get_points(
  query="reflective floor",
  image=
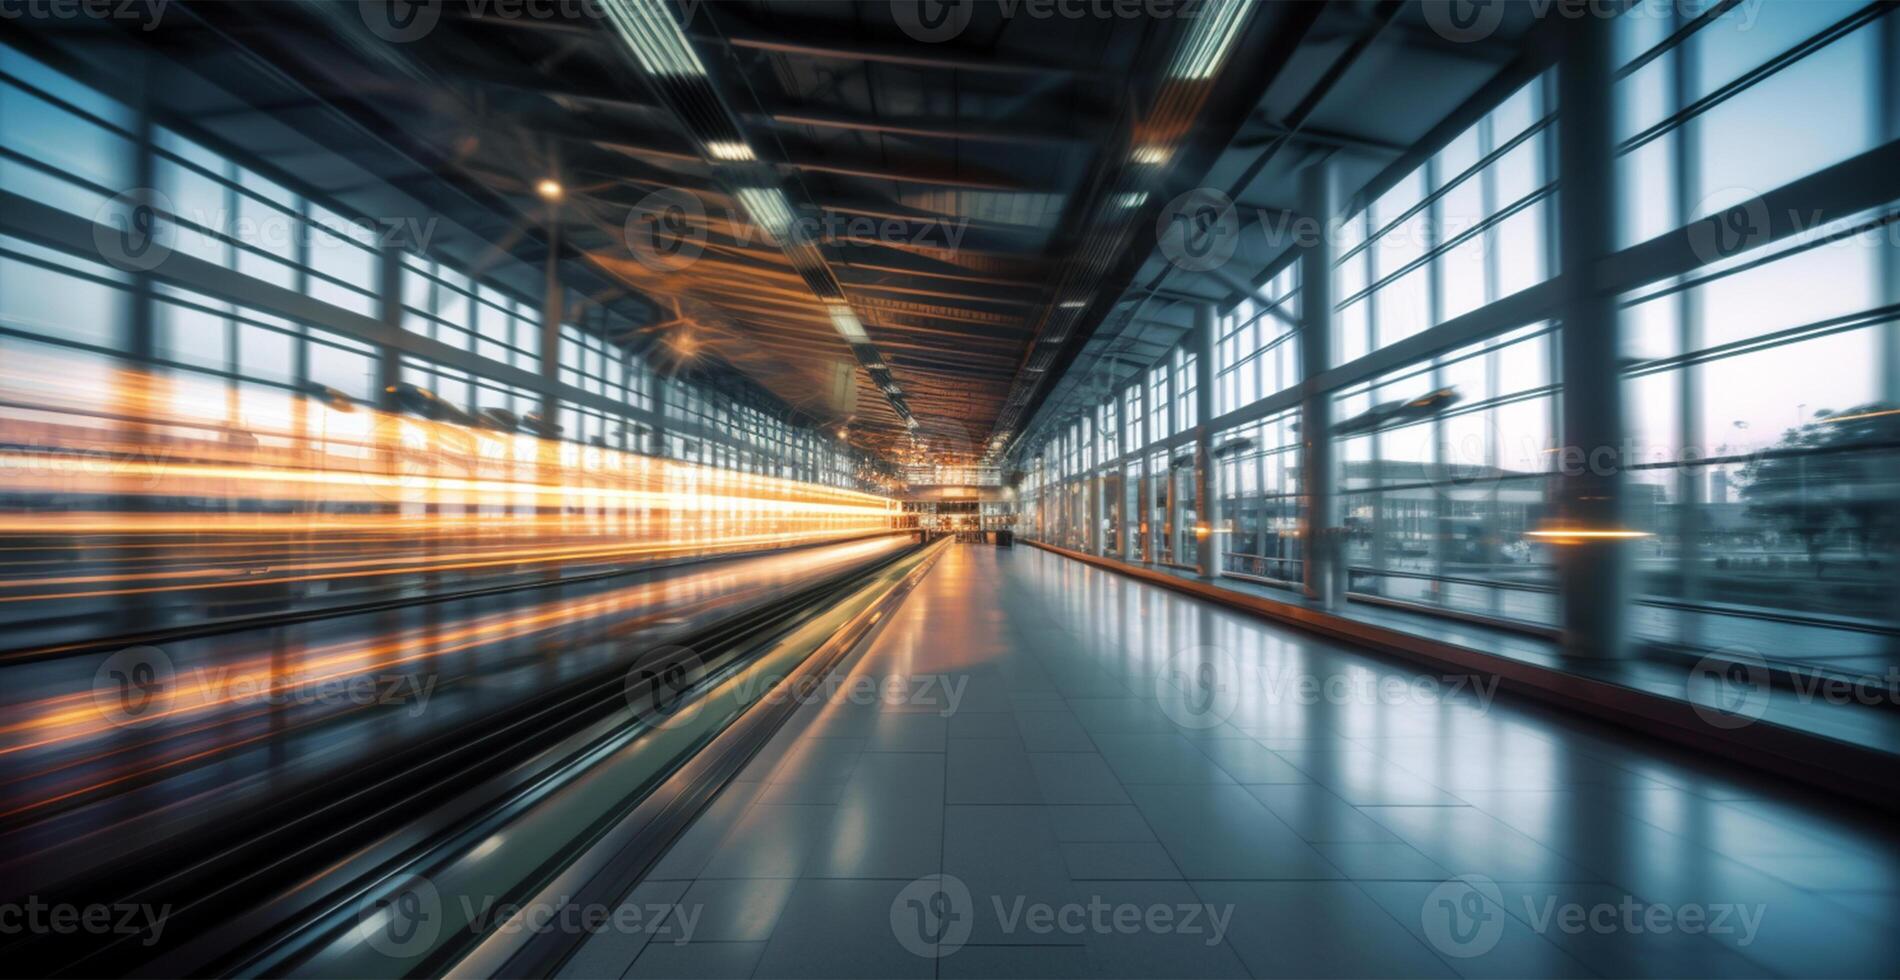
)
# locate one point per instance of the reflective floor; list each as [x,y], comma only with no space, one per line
[1043,769]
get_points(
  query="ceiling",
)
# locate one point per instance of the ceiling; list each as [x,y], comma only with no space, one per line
[968,205]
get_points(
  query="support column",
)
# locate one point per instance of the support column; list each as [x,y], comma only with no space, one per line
[1319,201]
[1889,108]
[552,299]
[389,300]
[1592,572]
[1145,493]
[1206,467]
[1098,508]
[1690,481]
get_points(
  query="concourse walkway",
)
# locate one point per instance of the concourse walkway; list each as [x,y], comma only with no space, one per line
[1042,769]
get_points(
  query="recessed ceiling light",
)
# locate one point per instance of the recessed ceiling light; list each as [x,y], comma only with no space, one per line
[729,150]
[550,190]
[847,323]
[655,37]
[769,208]
[1072,304]
[1132,199]
[1208,39]
[1148,154]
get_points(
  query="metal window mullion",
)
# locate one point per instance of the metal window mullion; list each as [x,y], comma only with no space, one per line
[1689,334]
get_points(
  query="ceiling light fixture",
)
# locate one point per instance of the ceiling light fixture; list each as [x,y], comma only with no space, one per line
[1150,155]
[550,190]
[1132,199]
[656,39]
[1212,33]
[1072,304]
[847,323]
[769,209]
[729,150]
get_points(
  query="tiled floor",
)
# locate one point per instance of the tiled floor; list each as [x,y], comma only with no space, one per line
[1067,773]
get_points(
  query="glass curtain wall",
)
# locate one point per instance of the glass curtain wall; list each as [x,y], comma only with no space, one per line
[72,147]
[1762,389]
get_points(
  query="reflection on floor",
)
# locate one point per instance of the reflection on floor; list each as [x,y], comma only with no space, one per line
[1040,768]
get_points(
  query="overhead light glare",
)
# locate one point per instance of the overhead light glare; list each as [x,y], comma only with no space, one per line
[769,209]
[550,190]
[1212,33]
[847,323]
[1151,155]
[1132,199]
[658,43]
[1566,535]
[1072,304]
[729,150]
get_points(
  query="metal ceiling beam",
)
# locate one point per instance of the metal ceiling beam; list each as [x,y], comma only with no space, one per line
[926,128]
[1321,137]
[910,56]
[951,277]
[871,171]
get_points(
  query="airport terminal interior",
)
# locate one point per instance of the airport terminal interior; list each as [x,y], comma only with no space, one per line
[949,488]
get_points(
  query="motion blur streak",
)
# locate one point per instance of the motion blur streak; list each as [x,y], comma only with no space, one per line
[59,746]
[140,485]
